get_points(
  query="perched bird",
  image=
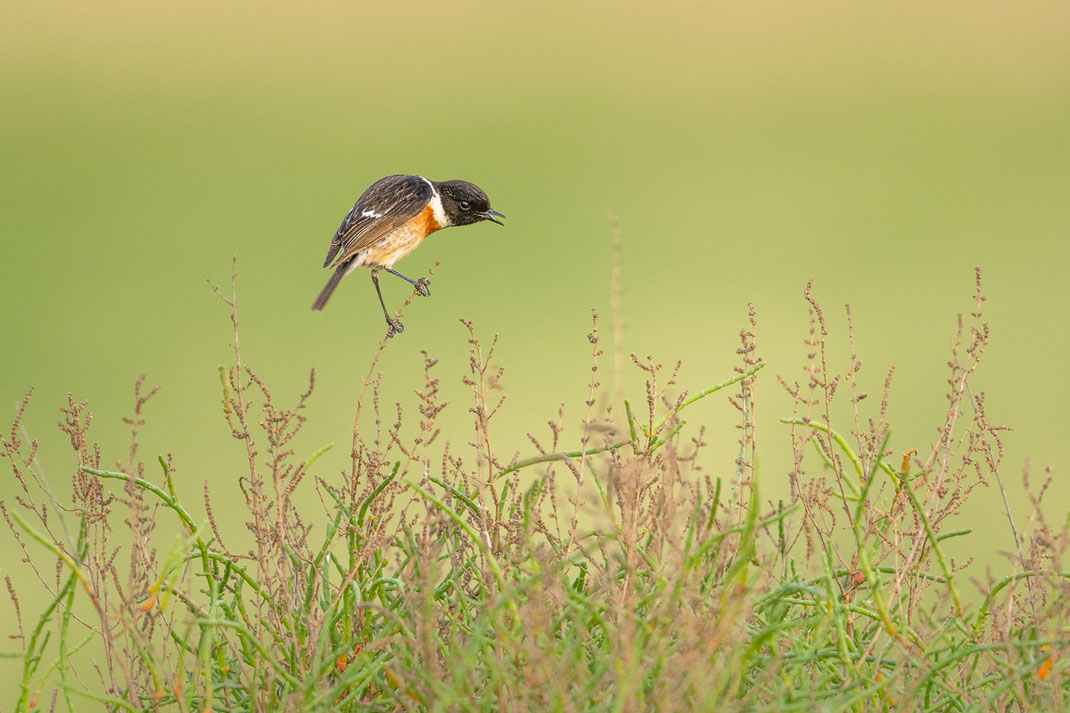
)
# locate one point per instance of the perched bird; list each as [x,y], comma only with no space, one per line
[390,219]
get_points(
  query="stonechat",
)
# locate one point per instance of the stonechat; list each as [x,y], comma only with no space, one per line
[390,220]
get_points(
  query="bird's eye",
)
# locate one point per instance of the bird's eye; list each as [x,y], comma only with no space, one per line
[465,205]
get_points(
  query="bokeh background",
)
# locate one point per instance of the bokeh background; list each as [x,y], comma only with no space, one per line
[883,150]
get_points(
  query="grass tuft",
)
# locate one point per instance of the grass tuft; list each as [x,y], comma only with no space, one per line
[607,574]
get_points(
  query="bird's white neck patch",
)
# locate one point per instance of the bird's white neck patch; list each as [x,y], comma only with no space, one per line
[439,212]
[436,206]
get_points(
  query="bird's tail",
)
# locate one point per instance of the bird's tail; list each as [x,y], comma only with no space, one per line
[328,290]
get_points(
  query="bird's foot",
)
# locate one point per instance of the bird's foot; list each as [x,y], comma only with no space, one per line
[394,326]
[423,287]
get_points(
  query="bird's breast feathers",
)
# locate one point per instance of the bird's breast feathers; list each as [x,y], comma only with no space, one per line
[401,241]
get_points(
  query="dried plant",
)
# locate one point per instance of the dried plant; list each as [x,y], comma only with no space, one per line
[613,570]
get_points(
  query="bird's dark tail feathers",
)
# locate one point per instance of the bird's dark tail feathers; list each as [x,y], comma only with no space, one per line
[328,290]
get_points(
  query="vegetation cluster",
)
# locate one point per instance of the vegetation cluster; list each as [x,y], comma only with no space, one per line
[609,571]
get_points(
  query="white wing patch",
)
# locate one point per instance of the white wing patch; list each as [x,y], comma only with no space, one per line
[371,214]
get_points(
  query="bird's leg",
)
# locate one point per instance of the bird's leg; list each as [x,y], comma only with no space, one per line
[421,285]
[394,326]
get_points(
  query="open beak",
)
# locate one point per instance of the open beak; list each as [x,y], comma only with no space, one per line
[493,215]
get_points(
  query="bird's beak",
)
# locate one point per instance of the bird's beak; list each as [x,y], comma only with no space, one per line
[493,215]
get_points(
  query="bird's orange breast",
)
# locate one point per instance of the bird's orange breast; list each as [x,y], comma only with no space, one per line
[427,221]
[401,241]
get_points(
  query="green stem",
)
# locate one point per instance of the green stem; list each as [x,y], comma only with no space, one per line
[839,441]
[935,544]
[548,457]
[706,392]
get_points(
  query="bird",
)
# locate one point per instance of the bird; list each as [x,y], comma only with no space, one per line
[390,219]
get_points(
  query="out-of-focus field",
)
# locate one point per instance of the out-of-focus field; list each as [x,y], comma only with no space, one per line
[883,151]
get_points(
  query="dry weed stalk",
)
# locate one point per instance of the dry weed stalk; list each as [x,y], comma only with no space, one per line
[623,567]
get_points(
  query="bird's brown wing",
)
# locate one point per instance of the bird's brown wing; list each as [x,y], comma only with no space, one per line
[387,204]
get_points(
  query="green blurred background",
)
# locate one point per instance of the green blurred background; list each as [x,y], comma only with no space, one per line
[743,147]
